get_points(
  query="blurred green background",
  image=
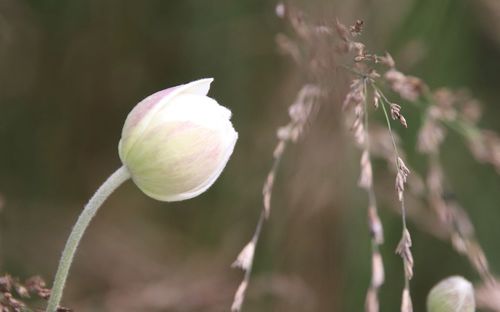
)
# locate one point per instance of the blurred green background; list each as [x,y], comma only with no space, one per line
[70,72]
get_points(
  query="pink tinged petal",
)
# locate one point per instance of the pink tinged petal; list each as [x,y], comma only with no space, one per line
[178,172]
[177,142]
[198,87]
[138,119]
[145,106]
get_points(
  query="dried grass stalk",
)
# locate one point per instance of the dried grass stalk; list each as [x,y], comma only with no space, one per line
[300,113]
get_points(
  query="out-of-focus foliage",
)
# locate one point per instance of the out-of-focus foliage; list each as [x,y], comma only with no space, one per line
[71,71]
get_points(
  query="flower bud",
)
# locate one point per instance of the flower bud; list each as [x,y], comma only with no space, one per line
[176,142]
[453,294]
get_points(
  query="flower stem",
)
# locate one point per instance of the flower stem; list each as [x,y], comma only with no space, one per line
[112,183]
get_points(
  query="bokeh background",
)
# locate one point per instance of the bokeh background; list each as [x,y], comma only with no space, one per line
[70,71]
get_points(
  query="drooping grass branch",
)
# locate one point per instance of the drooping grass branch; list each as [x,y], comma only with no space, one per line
[374,224]
[441,110]
[358,94]
[356,100]
[300,112]
[404,245]
[459,113]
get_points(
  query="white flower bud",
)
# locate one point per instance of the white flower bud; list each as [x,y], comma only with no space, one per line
[453,294]
[176,142]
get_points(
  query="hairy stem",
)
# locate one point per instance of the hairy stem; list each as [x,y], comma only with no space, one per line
[111,184]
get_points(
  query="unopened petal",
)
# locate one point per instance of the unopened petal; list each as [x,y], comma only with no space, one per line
[189,161]
[181,145]
[140,116]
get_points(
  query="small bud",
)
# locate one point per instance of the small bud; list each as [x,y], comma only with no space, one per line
[453,294]
[176,142]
